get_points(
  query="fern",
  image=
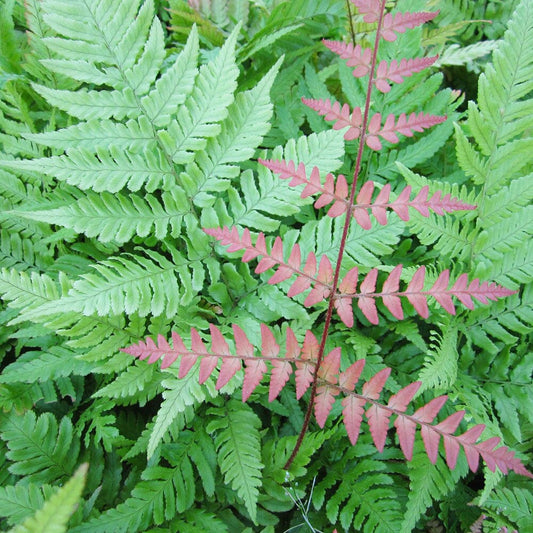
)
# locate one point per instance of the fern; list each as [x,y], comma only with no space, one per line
[40,448]
[237,443]
[56,511]
[128,150]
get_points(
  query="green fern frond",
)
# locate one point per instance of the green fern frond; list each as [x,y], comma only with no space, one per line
[236,434]
[161,493]
[267,199]
[90,34]
[58,508]
[174,85]
[17,502]
[178,394]
[515,504]
[26,290]
[241,132]
[448,236]
[197,119]
[106,170]
[47,364]
[134,135]
[502,237]
[116,217]
[462,55]
[140,284]
[440,365]
[40,449]
[19,397]
[198,521]
[24,249]
[357,490]
[427,483]
[363,247]
[137,384]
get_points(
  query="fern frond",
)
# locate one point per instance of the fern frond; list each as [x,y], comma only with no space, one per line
[241,132]
[106,170]
[197,119]
[515,504]
[236,435]
[57,510]
[440,364]
[399,22]
[343,118]
[90,35]
[178,394]
[85,104]
[137,384]
[364,499]
[140,284]
[427,483]
[26,290]
[118,217]
[336,191]
[40,449]
[320,274]
[161,493]
[265,200]
[17,502]
[40,366]
[134,135]
[330,384]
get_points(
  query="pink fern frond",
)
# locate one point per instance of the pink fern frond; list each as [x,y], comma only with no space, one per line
[306,366]
[356,56]
[306,272]
[396,72]
[379,415]
[400,22]
[391,295]
[333,190]
[325,396]
[331,382]
[336,191]
[369,8]
[341,116]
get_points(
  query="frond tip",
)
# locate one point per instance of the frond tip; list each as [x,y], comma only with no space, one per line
[331,382]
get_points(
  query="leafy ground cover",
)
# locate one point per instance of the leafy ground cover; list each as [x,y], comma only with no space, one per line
[265,202]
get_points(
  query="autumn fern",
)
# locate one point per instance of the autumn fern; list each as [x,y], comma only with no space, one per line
[374,292]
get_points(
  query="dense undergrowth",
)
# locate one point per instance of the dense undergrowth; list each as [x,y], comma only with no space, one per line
[125,131]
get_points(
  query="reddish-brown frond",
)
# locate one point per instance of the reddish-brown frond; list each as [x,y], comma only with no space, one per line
[336,190]
[306,366]
[325,394]
[330,383]
[369,8]
[379,414]
[400,22]
[396,72]
[356,56]
[415,293]
[306,272]
[341,116]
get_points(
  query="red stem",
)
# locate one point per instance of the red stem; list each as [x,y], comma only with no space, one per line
[342,246]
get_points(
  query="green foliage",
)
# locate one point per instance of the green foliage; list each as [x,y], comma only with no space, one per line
[57,510]
[127,127]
